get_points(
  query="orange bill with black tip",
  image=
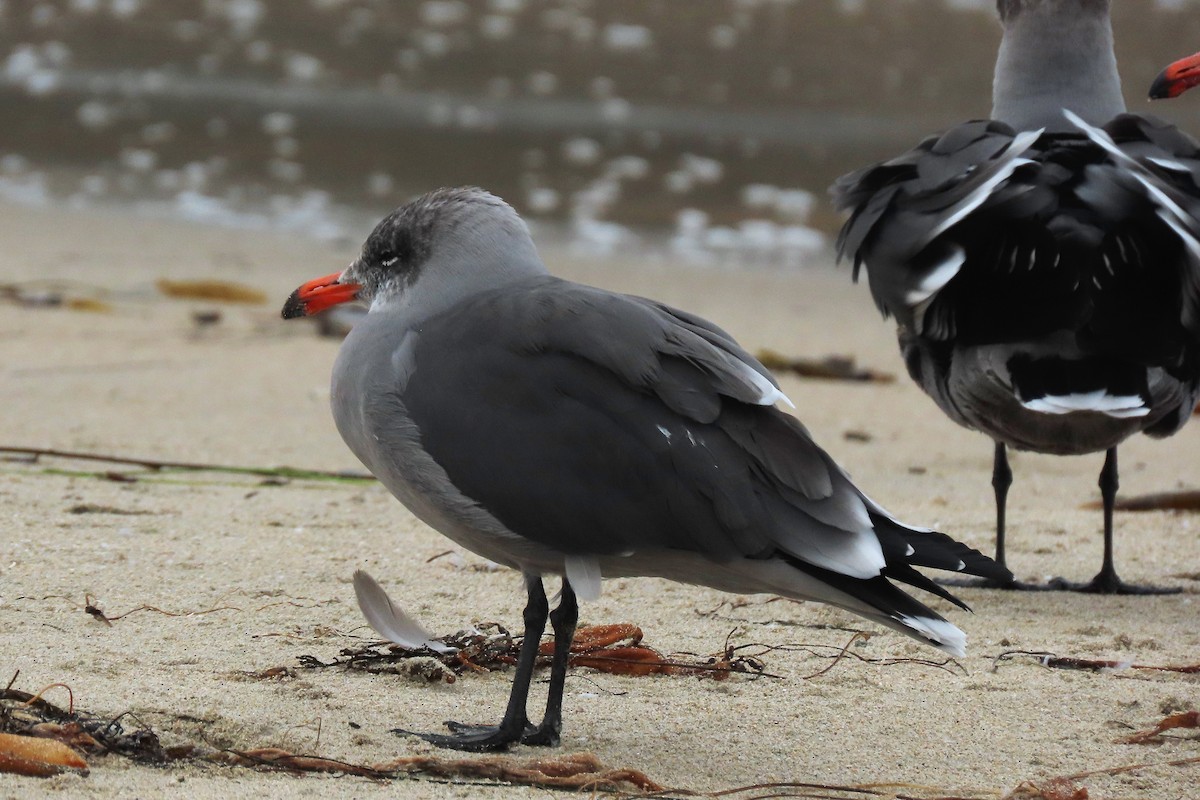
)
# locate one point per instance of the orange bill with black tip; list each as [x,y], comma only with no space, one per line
[1177,78]
[318,295]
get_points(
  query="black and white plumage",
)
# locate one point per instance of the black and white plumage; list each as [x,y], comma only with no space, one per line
[1043,266]
[558,428]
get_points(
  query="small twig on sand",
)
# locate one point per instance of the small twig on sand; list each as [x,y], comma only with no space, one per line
[837,654]
[92,609]
[35,453]
[1090,664]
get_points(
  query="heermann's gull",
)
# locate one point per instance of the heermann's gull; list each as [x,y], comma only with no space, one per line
[563,429]
[1043,266]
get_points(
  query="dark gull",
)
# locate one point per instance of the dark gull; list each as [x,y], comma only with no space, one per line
[1043,266]
[561,429]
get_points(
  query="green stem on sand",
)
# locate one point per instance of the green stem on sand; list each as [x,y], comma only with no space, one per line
[33,454]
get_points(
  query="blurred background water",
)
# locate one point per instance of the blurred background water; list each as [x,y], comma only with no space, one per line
[701,130]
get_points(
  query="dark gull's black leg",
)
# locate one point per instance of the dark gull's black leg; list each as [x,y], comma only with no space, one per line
[1107,581]
[484,738]
[562,620]
[1001,480]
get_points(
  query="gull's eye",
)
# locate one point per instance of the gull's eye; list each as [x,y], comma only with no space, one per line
[388,259]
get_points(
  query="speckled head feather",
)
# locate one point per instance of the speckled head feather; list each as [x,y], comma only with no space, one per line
[459,233]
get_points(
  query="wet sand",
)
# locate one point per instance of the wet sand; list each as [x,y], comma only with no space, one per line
[275,561]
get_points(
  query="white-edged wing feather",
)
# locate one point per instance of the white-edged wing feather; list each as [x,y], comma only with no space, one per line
[1008,162]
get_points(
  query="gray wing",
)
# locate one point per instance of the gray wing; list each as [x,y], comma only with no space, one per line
[597,423]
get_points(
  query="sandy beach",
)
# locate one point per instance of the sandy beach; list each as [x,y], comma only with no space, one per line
[271,564]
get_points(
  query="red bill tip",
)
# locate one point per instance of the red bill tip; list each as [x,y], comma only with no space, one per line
[318,295]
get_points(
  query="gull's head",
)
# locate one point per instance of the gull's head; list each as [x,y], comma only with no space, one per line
[451,239]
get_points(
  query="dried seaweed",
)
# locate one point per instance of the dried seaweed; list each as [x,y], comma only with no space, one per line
[827,791]
[93,508]
[1177,762]
[1185,500]
[574,771]
[1053,661]
[1184,719]
[1051,789]
[38,757]
[616,649]
[835,367]
[27,714]
[88,304]
[214,290]
[1065,787]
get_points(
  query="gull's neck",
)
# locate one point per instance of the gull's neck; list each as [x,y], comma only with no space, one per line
[1056,55]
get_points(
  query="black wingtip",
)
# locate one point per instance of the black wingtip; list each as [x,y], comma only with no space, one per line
[294,307]
[918,547]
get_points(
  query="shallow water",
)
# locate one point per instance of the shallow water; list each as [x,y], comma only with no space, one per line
[706,129]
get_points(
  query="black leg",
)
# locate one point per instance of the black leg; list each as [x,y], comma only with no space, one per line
[481,738]
[1109,483]
[1001,480]
[562,620]
[1107,581]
